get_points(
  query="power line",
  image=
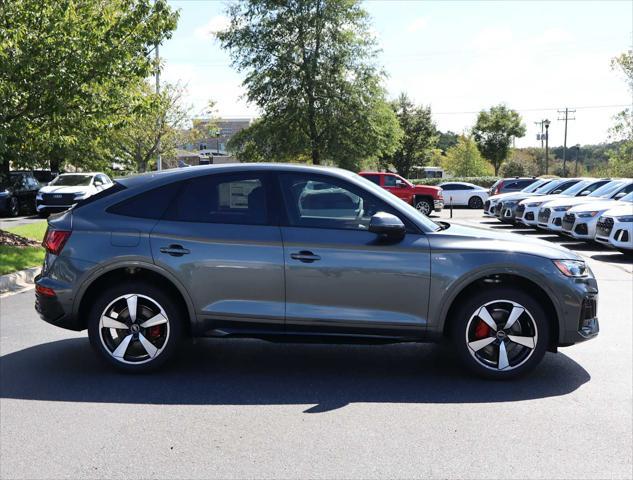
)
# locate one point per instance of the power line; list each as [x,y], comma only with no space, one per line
[544,109]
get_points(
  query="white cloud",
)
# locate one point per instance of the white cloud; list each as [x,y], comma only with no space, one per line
[493,37]
[216,24]
[417,24]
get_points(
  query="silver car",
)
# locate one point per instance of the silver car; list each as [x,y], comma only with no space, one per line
[298,253]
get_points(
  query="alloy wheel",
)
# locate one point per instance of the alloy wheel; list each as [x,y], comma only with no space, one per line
[475,202]
[134,329]
[423,207]
[501,335]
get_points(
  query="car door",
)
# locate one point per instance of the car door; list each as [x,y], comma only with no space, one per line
[341,278]
[451,194]
[396,185]
[217,237]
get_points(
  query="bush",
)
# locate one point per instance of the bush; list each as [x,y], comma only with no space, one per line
[485,182]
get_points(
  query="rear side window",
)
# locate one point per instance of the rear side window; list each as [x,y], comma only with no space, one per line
[149,204]
[232,198]
[373,178]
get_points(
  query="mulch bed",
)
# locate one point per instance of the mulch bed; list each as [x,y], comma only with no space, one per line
[13,240]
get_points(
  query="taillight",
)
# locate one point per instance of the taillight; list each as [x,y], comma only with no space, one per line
[45,291]
[54,240]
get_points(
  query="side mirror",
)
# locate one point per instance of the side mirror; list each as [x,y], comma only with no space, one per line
[584,193]
[387,225]
[400,184]
[620,195]
[98,183]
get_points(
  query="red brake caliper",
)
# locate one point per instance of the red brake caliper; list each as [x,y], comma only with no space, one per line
[482,330]
[154,331]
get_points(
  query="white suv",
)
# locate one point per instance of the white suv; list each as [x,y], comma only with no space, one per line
[69,188]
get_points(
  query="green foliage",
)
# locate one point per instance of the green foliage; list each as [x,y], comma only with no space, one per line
[447,140]
[486,181]
[522,163]
[419,139]
[19,258]
[310,68]
[464,160]
[34,231]
[65,71]
[493,133]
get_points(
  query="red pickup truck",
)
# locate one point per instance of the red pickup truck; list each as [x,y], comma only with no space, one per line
[423,197]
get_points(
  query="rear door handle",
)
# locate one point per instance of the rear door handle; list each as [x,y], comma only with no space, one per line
[305,256]
[175,250]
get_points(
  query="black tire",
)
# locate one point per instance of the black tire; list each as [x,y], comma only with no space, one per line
[532,323]
[100,336]
[475,203]
[13,207]
[424,206]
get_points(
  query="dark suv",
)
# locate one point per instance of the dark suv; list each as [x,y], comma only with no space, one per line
[17,193]
[296,253]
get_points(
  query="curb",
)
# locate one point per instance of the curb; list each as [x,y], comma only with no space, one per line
[18,280]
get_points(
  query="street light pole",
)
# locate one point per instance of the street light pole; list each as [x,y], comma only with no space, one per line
[546,123]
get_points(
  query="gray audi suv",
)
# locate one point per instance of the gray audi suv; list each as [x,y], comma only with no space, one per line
[298,253]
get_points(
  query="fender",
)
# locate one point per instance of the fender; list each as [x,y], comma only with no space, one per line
[456,287]
[134,262]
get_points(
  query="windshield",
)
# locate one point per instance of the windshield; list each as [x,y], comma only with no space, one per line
[579,187]
[627,198]
[380,193]
[607,189]
[72,181]
[549,186]
[532,187]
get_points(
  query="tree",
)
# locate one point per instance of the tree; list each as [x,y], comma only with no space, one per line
[520,164]
[65,70]
[310,68]
[493,133]
[464,159]
[419,136]
[447,140]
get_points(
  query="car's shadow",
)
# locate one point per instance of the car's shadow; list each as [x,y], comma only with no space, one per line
[253,372]
[614,257]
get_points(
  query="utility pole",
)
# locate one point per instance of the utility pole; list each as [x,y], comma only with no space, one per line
[577,155]
[566,112]
[540,137]
[159,160]
[546,122]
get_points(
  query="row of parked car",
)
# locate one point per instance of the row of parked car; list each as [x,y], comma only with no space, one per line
[22,193]
[588,209]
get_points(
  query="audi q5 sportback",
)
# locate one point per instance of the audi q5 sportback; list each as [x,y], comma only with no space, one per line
[302,254]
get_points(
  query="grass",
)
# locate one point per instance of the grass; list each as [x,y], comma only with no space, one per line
[19,258]
[13,258]
[34,230]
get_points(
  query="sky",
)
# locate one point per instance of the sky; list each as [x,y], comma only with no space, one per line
[459,57]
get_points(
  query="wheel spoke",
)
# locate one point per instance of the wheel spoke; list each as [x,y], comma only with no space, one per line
[514,315]
[132,302]
[148,346]
[122,348]
[479,344]
[485,316]
[109,322]
[158,319]
[525,341]
[503,357]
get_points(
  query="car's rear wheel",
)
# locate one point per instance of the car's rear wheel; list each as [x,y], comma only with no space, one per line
[424,206]
[501,333]
[475,203]
[135,326]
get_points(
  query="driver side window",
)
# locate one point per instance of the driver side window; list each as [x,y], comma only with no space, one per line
[324,202]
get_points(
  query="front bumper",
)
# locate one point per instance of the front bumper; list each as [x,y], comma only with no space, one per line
[43,208]
[614,233]
[530,216]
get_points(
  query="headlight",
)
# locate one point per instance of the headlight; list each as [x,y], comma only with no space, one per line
[534,204]
[587,214]
[572,268]
[625,219]
[562,209]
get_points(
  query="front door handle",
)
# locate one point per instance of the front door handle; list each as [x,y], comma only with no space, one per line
[175,250]
[305,256]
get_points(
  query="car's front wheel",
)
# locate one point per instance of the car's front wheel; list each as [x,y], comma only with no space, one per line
[135,326]
[501,333]
[424,206]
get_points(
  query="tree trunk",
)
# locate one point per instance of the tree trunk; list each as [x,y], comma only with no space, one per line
[55,164]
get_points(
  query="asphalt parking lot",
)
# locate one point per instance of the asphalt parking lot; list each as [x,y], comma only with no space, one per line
[236,409]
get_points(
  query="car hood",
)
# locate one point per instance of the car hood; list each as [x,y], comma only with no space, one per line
[504,196]
[572,201]
[599,206]
[620,211]
[518,196]
[426,187]
[458,237]
[543,198]
[64,189]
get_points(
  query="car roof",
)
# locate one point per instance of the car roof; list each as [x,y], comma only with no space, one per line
[174,174]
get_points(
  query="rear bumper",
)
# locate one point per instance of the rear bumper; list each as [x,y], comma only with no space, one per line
[51,310]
